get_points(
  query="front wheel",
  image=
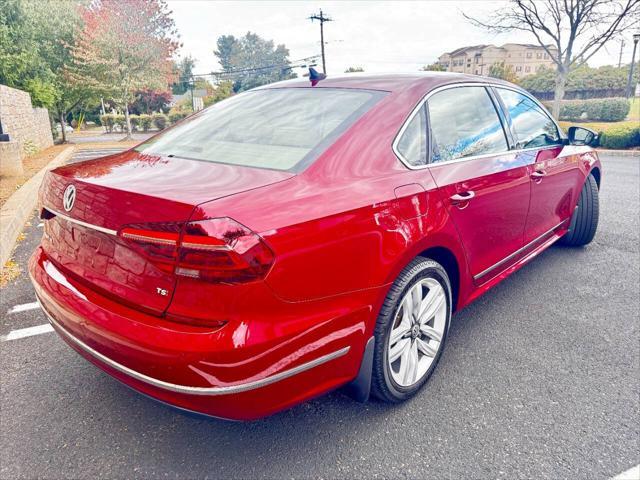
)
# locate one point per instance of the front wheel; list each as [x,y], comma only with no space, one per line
[411,330]
[584,221]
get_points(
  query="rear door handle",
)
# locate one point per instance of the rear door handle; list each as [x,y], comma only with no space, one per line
[462,198]
[538,174]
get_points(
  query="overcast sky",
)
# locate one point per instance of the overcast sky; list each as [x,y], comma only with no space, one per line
[378,36]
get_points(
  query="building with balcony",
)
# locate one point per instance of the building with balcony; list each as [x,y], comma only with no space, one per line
[525,59]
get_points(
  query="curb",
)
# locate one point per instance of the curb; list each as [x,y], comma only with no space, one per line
[19,206]
[618,153]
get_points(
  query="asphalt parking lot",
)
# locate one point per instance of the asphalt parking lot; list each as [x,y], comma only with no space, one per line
[540,379]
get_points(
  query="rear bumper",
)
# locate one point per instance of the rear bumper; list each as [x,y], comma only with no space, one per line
[216,372]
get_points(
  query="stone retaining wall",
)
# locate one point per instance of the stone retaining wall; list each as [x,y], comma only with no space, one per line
[27,126]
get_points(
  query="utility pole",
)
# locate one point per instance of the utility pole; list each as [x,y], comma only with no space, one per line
[322,18]
[191,85]
[620,57]
[636,39]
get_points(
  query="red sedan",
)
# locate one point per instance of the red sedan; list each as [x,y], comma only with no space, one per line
[304,236]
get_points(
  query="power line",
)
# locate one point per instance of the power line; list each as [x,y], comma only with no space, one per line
[322,18]
[302,62]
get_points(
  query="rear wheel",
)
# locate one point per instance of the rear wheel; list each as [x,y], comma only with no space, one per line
[584,221]
[411,330]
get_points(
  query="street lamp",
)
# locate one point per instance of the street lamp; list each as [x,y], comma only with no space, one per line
[636,38]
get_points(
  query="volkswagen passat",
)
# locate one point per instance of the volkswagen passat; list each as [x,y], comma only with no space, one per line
[304,236]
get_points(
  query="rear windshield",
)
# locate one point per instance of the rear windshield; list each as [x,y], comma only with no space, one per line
[280,128]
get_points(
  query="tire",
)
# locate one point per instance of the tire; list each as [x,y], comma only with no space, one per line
[584,221]
[422,276]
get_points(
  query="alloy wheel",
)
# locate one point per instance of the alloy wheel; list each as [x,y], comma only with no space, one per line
[417,332]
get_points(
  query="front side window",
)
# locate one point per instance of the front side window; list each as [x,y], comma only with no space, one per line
[280,128]
[533,127]
[413,142]
[464,123]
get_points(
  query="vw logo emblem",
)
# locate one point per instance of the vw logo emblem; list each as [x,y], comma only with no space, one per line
[69,197]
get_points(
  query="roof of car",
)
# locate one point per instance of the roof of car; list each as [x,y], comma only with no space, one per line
[387,81]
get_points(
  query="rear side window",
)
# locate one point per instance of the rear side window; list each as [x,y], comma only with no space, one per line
[280,128]
[532,126]
[464,123]
[413,142]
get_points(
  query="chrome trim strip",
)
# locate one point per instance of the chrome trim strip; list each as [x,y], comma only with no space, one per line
[80,222]
[519,251]
[424,99]
[210,391]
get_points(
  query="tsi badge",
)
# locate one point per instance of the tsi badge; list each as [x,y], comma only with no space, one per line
[162,291]
[69,198]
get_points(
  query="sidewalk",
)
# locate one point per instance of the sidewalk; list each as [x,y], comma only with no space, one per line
[618,153]
[99,136]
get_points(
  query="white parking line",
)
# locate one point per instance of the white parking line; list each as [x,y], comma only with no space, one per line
[631,474]
[26,332]
[23,308]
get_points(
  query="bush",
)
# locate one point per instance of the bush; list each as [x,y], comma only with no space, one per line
[145,122]
[135,122]
[160,120]
[602,110]
[120,121]
[177,115]
[620,137]
[108,121]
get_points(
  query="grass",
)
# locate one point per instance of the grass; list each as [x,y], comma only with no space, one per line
[598,126]
[634,112]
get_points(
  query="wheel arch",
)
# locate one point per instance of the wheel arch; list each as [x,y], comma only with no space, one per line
[595,171]
[449,262]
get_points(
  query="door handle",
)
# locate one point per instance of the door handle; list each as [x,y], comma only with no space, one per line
[461,199]
[538,175]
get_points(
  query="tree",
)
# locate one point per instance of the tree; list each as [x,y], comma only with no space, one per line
[251,61]
[503,71]
[227,45]
[20,65]
[35,49]
[433,67]
[125,46]
[354,70]
[184,74]
[149,101]
[223,90]
[570,31]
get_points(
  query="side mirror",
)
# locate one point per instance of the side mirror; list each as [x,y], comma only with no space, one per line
[582,136]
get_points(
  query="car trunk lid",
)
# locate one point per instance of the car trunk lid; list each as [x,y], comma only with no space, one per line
[132,190]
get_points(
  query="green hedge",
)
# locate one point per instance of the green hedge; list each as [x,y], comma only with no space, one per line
[108,121]
[135,122]
[601,109]
[620,137]
[121,122]
[141,122]
[160,121]
[176,116]
[145,122]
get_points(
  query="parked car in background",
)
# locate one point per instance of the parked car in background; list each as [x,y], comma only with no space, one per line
[67,128]
[295,238]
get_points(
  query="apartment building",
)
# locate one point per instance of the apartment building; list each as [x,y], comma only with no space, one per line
[525,59]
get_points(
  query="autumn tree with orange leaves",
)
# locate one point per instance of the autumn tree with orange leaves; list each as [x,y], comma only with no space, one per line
[125,46]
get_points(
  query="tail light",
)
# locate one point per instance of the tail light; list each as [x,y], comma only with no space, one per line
[158,242]
[218,250]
